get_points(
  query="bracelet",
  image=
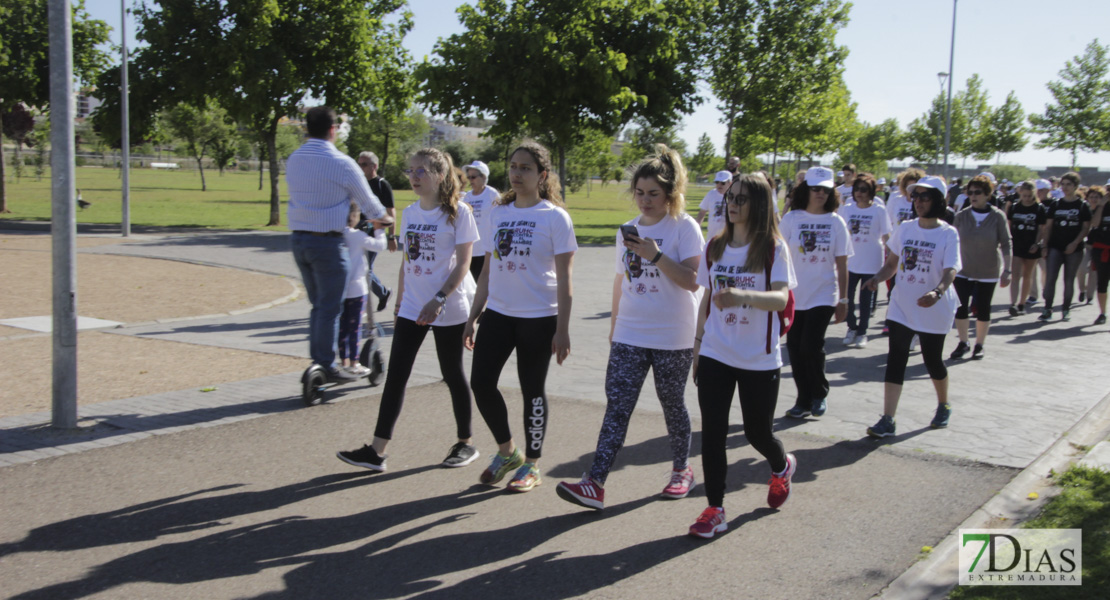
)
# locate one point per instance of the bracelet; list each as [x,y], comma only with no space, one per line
[697,338]
[937,291]
[655,260]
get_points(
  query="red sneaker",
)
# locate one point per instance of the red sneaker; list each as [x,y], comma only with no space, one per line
[780,485]
[680,485]
[584,493]
[711,521]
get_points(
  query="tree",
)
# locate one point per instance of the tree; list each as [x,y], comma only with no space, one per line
[879,144]
[592,157]
[195,126]
[1006,128]
[271,56]
[385,134]
[973,101]
[25,59]
[642,139]
[556,69]
[17,124]
[1077,120]
[926,133]
[767,56]
[704,159]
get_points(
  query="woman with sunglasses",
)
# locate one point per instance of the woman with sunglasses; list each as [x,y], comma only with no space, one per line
[925,255]
[1027,217]
[819,245]
[713,204]
[870,228]
[747,274]
[656,264]
[481,199]
[1069,220]
[985,249]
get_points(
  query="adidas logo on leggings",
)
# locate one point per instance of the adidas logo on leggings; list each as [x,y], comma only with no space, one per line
[536,422]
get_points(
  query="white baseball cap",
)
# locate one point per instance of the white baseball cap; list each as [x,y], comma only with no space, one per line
[882,181]
[840,173]
[723,176]
[480,167]
[990,176]
[1043,184]
[932,182]
[819,177]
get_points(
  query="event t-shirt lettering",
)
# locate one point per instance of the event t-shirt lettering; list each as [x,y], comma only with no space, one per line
[815,241]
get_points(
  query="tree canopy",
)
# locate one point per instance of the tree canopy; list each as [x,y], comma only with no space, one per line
[1079,117]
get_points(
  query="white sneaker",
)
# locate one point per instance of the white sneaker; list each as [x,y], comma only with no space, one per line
[850,338]
[914,342]
[861,341]
[357,370]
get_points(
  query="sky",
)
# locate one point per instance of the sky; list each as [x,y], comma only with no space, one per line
[896,48]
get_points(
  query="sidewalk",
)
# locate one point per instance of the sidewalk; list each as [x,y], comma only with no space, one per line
[295,528]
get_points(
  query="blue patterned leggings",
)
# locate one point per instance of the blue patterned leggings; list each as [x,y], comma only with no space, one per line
[349,329]
[624,377]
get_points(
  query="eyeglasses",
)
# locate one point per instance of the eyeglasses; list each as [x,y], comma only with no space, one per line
[975,192]
[738,200]
[365,164]
[417,173]
[919,196]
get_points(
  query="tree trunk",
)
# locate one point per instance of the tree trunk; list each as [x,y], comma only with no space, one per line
[385,154]
[260,171]
[562,170]
[3,181]
[19,160]
[730,117]
[200,167]
[270,135]
[775,160]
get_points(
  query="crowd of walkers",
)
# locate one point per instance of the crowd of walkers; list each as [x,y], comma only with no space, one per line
[491,273]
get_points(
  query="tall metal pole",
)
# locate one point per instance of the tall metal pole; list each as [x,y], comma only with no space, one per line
[942,77]
[125,124]
[948,106]
[63,215]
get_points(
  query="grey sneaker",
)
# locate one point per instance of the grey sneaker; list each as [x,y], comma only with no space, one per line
[940,420]
[460,455]
[882,429]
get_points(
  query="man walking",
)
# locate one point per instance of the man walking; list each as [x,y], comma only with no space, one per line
[322,183]
[368,161]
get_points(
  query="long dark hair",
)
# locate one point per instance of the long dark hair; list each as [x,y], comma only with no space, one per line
[762,225]
[800,199]
[549,187]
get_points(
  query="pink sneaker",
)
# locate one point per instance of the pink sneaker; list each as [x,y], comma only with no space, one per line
[584,493]
[711,521]
[780,485]
[680,485]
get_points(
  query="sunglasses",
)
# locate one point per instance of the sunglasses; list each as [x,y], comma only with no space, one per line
[418,173]
[976,193]
[920,196]
[364,164]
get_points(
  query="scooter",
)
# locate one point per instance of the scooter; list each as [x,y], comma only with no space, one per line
[315,381]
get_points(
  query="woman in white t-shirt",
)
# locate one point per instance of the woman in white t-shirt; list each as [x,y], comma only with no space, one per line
[819,249]
[652,324]
[925,255]
[870,228]
[481,199]
[436,234]
[747,274]
[713,205]
[526,283]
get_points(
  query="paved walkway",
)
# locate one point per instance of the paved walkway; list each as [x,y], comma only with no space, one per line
[1008,409]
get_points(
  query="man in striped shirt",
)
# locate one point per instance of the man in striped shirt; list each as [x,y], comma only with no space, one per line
[322,183]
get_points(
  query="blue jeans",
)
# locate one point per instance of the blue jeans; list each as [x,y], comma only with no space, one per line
[376,286]
[866,302]
[324,265]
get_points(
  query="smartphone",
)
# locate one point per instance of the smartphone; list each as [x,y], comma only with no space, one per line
[629,231]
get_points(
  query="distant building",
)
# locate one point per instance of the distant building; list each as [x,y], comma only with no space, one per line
[87,103]
[440,132]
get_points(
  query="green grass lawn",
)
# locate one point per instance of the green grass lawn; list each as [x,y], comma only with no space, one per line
[233,201]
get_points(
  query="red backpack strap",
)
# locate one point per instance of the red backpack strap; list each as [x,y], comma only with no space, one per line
[767,272]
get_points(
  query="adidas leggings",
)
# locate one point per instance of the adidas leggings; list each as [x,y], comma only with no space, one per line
[349,321]
[624,378]
[932,351]
[498,335]
[407,339]
[759,393]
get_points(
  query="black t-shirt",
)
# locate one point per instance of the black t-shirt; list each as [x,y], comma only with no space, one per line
[1024,222]
[1100,232]
[1067,221]
[382,190]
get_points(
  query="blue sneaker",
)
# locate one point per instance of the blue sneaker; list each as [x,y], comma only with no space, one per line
[940,421]
[882,429]
[798,411]
[819,407]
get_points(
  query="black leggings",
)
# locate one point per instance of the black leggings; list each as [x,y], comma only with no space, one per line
[759,392]
[932,351]
[407,338]
[806,344]
[981,291]
[497,337]
[1102,269]
[476,263]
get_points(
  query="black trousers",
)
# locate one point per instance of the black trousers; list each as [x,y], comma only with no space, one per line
[932,352]
[805,342]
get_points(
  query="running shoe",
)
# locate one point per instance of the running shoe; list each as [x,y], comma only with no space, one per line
[1014,311]
[940,420]
[681,483]
[339,374]
[1046,315]
[1065,315]
[819,407]
[526,478]
[1082,297]
[1100,320]
[584,493]
[500,466]
[711,521]
[460,455]
[884,428]
[798,411]
[780,484]
[1021,309]
[364,457]
[850,338]
[977,353]
[960,351]
[861,341]
[384,300]
[1031,300]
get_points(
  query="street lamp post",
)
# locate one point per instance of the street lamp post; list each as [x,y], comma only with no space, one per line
[941,77]
[125,126]
[948,105]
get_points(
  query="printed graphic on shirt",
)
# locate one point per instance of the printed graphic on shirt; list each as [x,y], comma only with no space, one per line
[917,255]
[860,226]
[635,267]
[420,247]
[731,277]
[719,209]
[1068,217]
[513,238]
[813,238]
[1024,221]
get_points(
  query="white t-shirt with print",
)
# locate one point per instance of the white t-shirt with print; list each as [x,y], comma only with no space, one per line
[815,241]
[923,255]
[358,244]
[481,205]
[428,256]
[522,244]
[714,206]
[738,336]
[899,209]
[867,226]
[654,312]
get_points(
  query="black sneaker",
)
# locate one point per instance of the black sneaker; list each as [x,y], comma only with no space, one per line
[977,353]
[1082,297]
[1013,311]
[960,351]
[460,455]
[1065,315]
[940,420]
[364,457]
[1100,320]
[1046,315]
[1021,309]
[798,411]
[1031,300]
[819,407]
[384,300]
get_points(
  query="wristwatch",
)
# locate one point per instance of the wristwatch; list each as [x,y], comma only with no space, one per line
[441,297]
[842,301]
